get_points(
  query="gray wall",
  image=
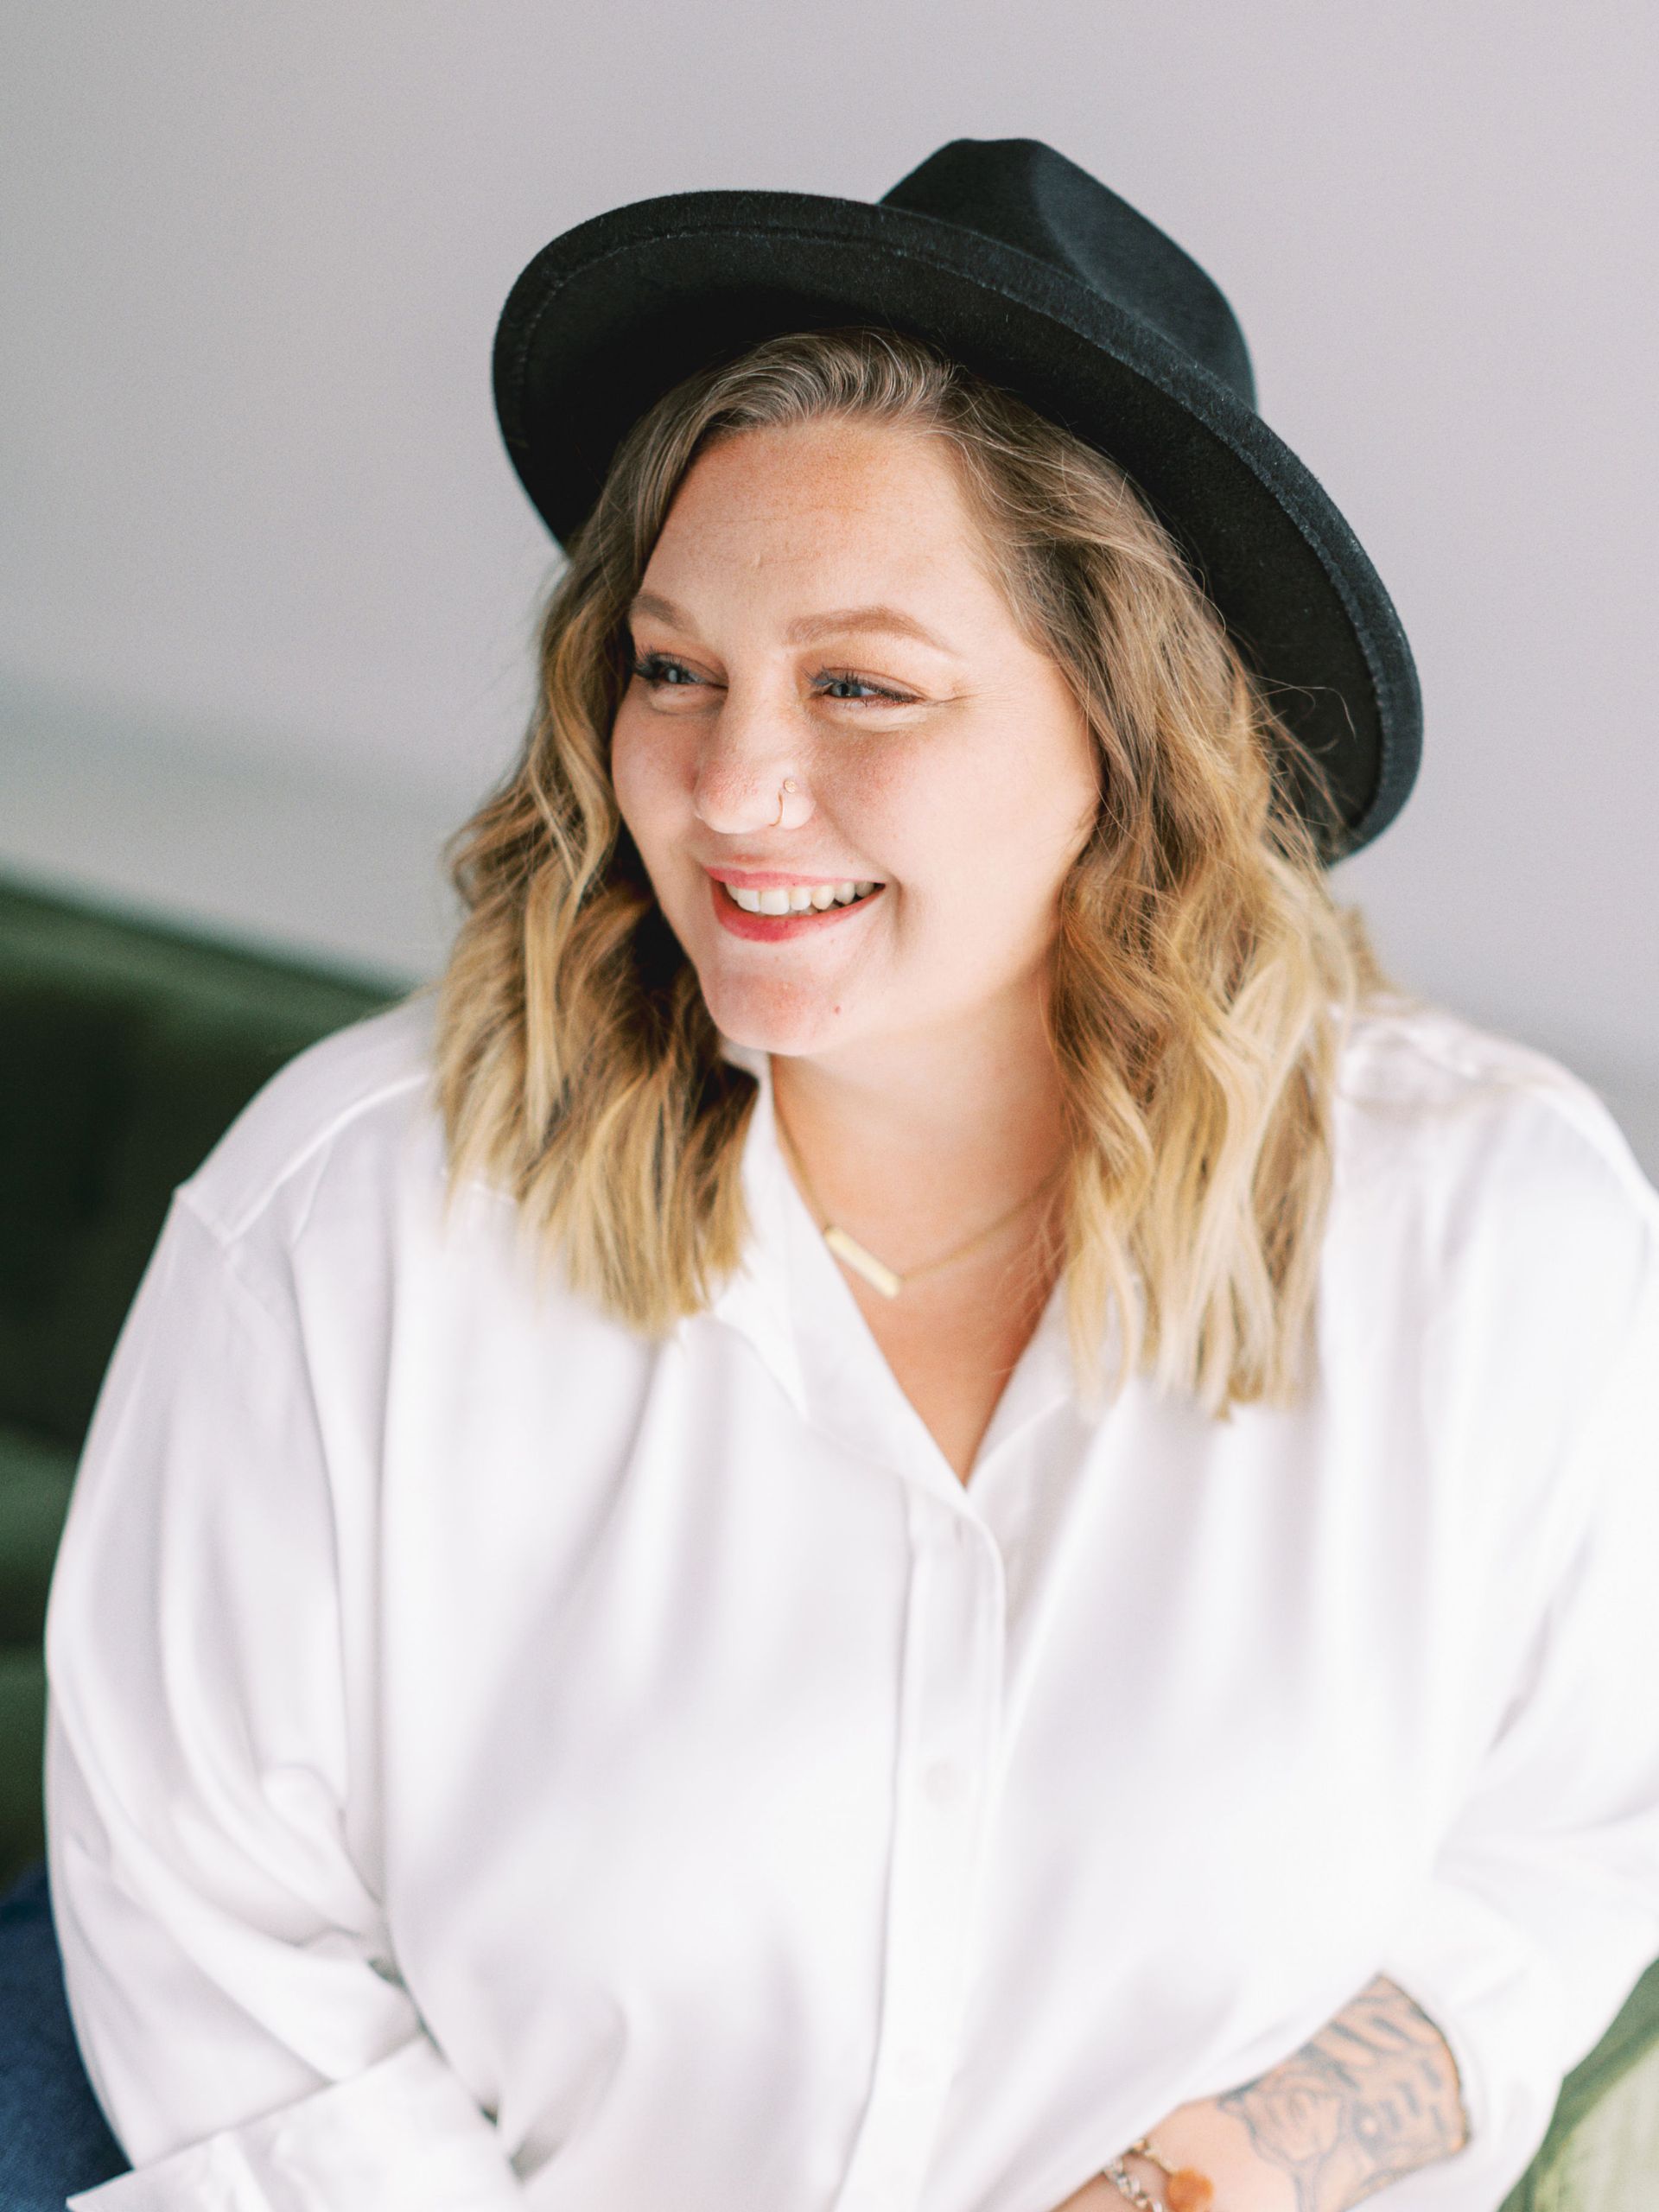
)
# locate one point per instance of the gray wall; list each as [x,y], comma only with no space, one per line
[266,580]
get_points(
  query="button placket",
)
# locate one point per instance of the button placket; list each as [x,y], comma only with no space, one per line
[949,1732]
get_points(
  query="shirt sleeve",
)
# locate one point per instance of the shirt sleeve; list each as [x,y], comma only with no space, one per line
[1541,1909]
[226,1962]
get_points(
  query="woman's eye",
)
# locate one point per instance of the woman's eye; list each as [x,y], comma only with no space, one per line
[654,669]
[845,687]
[659,673]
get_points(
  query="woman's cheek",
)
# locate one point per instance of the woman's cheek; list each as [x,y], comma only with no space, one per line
[640,788]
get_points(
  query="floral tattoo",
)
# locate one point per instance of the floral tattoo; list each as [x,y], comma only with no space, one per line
[1373,2097]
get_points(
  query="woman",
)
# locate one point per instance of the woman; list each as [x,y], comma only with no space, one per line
[920,1507]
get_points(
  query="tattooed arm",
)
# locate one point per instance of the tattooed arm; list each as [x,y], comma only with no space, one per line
[1372,2097]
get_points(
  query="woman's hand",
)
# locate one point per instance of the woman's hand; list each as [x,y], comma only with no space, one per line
[1374,2096]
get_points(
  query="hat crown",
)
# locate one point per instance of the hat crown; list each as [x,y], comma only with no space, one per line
[1024,194]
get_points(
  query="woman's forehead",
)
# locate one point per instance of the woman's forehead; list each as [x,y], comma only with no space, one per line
[821,471]
[822,519]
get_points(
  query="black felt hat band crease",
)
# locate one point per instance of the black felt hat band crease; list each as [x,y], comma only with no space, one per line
[1015,262]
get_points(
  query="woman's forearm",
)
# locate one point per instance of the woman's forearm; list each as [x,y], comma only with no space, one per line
[1372,2097]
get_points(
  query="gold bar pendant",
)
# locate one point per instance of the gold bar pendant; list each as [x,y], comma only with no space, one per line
[865,1264]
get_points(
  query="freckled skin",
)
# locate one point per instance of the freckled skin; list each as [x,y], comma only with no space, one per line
[911,1063]
[969,801]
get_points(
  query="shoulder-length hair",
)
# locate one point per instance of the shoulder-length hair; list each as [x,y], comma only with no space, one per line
[1202,977]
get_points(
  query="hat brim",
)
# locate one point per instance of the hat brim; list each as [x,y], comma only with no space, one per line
[614,313]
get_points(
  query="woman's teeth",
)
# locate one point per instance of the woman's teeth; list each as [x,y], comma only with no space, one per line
[799,898]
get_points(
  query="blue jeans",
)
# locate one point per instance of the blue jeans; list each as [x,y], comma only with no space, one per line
[53,2137]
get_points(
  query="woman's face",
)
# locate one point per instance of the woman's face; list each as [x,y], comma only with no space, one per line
[817,606]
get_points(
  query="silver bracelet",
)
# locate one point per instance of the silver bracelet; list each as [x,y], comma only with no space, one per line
[1125,2183]
[1191,2191]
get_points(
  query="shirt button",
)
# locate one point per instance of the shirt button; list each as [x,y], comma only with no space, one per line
[943,1783]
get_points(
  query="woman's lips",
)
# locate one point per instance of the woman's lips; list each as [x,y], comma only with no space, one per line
[770,929]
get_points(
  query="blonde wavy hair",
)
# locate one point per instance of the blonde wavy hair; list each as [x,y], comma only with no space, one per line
[1203,978]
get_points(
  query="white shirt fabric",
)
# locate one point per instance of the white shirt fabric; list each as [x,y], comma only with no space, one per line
[495,1760]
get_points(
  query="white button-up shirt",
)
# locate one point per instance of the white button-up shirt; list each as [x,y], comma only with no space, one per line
[496,1759]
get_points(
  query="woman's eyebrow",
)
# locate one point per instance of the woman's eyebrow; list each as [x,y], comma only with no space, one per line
[891,619]
[663,610]
[809,628]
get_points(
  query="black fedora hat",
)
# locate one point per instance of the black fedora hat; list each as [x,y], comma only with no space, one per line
[1018,263]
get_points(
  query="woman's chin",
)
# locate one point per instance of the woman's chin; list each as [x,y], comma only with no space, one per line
[774,1017]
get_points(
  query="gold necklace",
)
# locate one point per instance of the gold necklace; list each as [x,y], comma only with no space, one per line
[864,1262]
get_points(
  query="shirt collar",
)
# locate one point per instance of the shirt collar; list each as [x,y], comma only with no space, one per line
[755,1299]
[789,1297]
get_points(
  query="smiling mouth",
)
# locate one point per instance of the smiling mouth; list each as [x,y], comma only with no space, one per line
[801,899]
[742,919]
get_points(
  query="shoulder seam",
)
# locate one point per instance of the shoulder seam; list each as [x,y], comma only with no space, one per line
[315,1140]
[1574,1104]
[1514,1066]
[230,1256]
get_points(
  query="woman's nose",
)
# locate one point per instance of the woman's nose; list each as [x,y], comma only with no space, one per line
[750,752]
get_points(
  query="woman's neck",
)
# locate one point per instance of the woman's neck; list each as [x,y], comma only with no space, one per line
[915,1141]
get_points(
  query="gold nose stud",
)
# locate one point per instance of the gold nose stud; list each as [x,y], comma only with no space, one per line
[789,786]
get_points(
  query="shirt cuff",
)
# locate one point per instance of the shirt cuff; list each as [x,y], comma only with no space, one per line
[1493,1997]
[403,2137]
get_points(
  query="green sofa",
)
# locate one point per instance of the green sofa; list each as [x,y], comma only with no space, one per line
[124,1050]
